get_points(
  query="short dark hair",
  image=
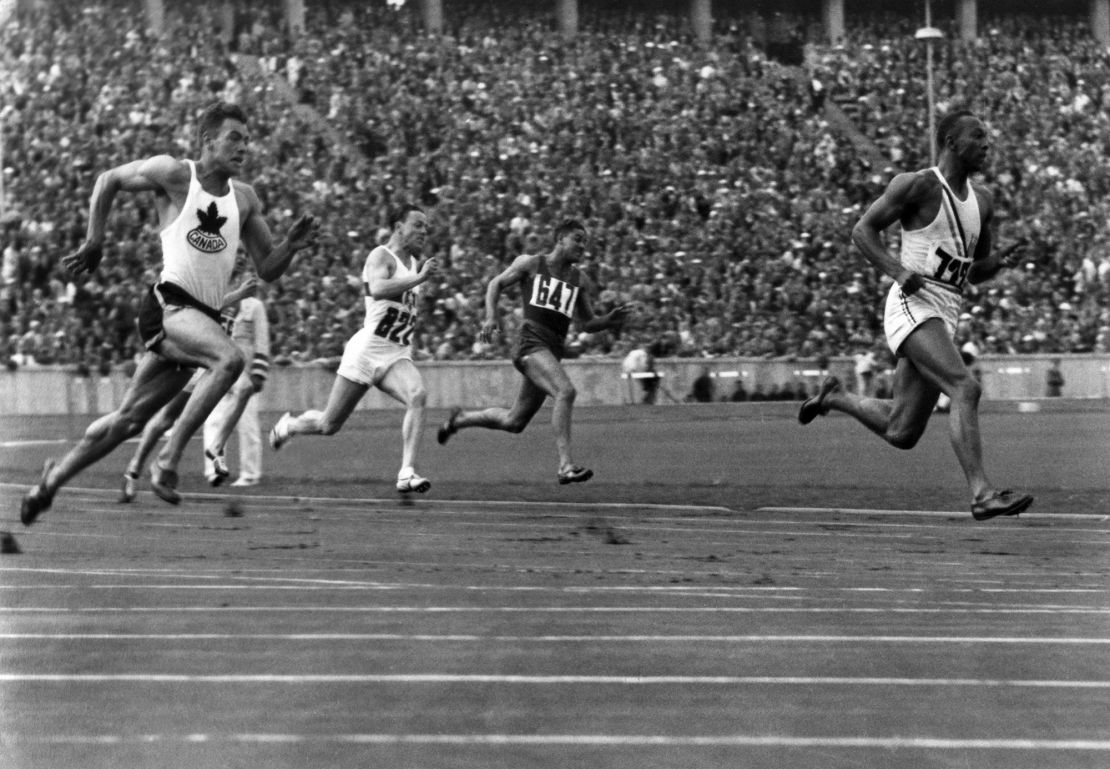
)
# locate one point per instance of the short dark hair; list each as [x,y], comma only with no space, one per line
[947,125]
[402,213]
[214,116]
[567,226]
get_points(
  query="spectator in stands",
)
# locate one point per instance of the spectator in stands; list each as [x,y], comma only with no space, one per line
[500,130]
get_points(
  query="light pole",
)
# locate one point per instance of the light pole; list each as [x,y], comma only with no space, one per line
[929,33]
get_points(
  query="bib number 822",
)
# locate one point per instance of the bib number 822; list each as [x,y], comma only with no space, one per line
[396,326]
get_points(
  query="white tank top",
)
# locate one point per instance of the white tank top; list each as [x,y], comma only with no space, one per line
[943,250]
[200,245]
[391,319]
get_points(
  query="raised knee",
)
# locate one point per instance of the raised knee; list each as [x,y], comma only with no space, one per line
[129,426]
[329,427]
[515,426]
[418,398]
[568,394]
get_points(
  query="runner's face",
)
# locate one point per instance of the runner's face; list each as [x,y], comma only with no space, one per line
[414,232]
[574,243]
[971,143]
[229,147]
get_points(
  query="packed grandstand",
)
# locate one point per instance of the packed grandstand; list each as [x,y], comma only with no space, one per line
[721,181]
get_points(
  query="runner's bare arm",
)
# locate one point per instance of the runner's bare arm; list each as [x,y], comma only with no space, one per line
[383,279]
[986,264]
[512,274]
[159,174]
[590,323]
[272,261]
[901,196]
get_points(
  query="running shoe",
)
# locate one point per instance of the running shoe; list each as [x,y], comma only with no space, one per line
[575,474]
[410,482]
[127,489]
[163,482]
[37,501]
[240,482]
[220,473]
[279,434]
[447,429]
[815,406]
[1004,502]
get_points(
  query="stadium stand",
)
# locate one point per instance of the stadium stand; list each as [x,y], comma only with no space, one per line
[722,183]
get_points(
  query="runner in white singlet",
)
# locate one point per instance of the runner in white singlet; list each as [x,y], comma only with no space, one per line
[946,243]
[380,353]
[205,215]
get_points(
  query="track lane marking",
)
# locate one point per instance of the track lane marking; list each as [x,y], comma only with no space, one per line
[574,740]
[493,678]
[470,637]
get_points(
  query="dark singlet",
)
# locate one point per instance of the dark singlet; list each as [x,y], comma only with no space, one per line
[548,309]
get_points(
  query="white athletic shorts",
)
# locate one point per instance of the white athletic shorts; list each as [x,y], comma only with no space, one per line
[905,313]
[367,357]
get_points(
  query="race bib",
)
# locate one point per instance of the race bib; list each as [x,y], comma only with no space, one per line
[550,293]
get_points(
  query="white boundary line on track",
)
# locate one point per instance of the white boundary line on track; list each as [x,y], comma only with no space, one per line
[481,678]
[426,502]
[576,740]
[397,501]
[463,637]
[927,513]
[21,444]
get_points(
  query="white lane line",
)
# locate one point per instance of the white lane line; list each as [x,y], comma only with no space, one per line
[392,502]
[1016,640]
[572,740]
[245,575]
[467,637]
[310,583]
[20,444]
[926,513]
[495,678]
[518,504]
[534,610]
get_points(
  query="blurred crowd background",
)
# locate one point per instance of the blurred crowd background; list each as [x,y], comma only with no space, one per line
[720,181]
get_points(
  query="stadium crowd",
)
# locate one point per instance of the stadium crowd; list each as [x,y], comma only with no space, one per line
[719,191]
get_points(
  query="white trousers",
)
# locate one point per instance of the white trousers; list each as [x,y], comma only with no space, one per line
[248,430]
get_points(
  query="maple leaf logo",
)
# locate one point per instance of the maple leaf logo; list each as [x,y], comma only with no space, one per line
[207,237]
[211,221]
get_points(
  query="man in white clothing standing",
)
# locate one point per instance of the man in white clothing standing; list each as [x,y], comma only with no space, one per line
[250,330]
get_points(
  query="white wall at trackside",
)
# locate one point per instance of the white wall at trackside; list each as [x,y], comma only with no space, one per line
[58,390]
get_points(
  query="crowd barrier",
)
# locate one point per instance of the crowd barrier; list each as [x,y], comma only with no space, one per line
[50,390]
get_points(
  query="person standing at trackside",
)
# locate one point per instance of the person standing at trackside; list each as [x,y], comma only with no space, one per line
[946,242]
[380,353]
[553,296]
[1054,380]
[204,214]
[249,328]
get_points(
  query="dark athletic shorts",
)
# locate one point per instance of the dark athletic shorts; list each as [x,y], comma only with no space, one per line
[534,337]
[162,295]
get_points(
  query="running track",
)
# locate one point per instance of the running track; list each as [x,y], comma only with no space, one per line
[338,631]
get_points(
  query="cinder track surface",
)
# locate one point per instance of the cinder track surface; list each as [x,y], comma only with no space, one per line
[732,590]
